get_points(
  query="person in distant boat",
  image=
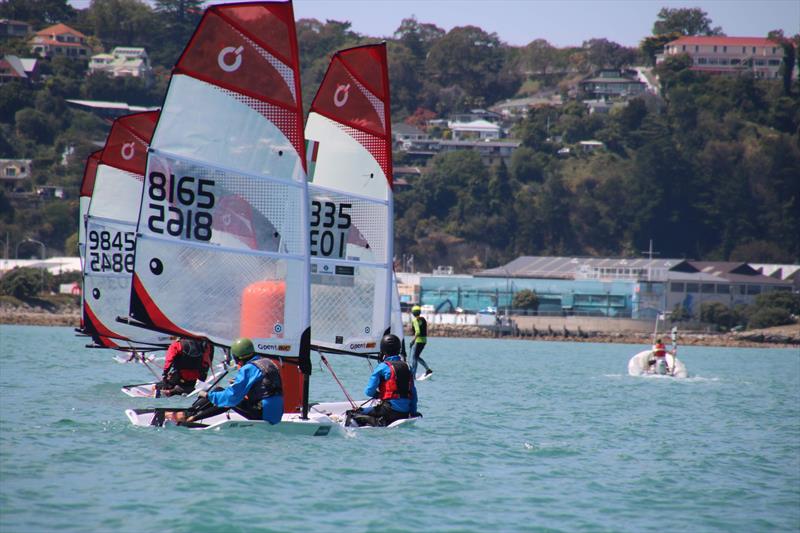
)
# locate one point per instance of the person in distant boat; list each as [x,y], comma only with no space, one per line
[187,361]
[256,393]
[659,353]
[420,340]
[393,384]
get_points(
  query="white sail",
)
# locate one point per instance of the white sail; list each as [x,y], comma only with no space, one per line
[114,191]
[350,185]
[223,244]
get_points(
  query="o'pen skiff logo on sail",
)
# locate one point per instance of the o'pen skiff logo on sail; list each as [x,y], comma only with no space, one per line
[127,151]
[341,95]
[237,62]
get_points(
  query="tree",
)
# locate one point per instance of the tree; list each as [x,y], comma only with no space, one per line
[38,13]
[652,45]
[120,22]
[686,21]
[602,53]
[789,57]
[418,38]
[35,125]
[21,282]
[719,314]
[768,317]
[525,299]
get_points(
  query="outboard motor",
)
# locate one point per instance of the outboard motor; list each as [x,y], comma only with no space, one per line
[661,366]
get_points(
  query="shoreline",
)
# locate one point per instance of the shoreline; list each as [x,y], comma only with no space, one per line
[781,337]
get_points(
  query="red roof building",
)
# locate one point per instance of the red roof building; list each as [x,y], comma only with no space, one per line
[729,55]
[60,40]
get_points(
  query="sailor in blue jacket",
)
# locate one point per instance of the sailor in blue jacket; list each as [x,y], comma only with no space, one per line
[256,392]
[393,384]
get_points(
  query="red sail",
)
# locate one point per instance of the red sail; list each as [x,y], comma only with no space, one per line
[355,93]
[126,146]
[89,172]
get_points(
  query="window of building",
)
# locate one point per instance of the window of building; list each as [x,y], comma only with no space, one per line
[701,60]
[11,171]
[676,287]
[774,62]
[736,61]
[760,62]
[724,48]
[692,287]
[742,289]
[744,50]
[683,48]
[774,50]
[696,48]
[723,288]
[715,48]
[754,289]
[754,49]
[723,61]
[712,61]
[708,288]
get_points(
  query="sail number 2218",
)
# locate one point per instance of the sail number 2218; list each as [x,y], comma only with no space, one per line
[189,202]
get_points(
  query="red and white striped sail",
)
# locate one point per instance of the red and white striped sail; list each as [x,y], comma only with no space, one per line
[223,242]
[350,173]
[115,191]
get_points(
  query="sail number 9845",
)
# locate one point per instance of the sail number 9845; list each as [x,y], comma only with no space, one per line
[111,251]
[190,200]
[330,223]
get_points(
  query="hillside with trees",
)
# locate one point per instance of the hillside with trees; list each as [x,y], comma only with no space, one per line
[709,170]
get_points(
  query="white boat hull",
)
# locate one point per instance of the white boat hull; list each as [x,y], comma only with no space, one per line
[291,424]
[148,390]
[337,411]
[639,366]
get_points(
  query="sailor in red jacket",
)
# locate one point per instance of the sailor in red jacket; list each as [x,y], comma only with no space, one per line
[187,361]
[659,353]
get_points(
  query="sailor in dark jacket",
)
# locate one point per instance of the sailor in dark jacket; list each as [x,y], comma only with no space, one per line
[187,361]
[256,392]
[393,384]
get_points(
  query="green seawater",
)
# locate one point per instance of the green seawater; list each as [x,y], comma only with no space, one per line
[517,436]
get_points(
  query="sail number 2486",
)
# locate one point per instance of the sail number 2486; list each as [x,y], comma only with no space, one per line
[188,213]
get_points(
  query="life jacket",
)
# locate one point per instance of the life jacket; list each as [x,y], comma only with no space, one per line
[188,364]
[270,384]
[399,383]
[659,350]
[420,329]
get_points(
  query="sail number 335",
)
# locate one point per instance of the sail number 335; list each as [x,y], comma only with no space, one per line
[188,213]
[330,223]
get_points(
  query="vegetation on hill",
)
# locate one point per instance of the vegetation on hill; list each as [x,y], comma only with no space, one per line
[708,172]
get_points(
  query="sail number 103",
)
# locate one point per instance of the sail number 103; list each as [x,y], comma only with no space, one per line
[330,224]
[190,200]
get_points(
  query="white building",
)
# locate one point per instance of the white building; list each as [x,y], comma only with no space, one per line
[123,61]
[729,55]
[480,129]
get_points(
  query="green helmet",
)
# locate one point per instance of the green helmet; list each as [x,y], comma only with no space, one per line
[242,349]
[416,310]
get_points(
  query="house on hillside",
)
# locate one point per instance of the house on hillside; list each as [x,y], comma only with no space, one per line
[18,68]
[404,134]
[14,29]
[123,61]
[728,55]
[13,173]
[517,108]
[491,152]
[477,129]
[60,40]
[611,83]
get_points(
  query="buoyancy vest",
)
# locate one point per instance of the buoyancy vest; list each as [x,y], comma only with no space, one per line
[399,383]
[187,366]
[270,384]
[420,329]
[659,350]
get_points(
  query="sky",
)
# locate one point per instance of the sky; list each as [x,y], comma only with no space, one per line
[560,22]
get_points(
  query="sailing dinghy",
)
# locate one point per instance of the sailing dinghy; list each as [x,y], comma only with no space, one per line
[639,364]
[222,248]
[354,298]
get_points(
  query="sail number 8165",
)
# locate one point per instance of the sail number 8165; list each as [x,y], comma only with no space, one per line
[188,214]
